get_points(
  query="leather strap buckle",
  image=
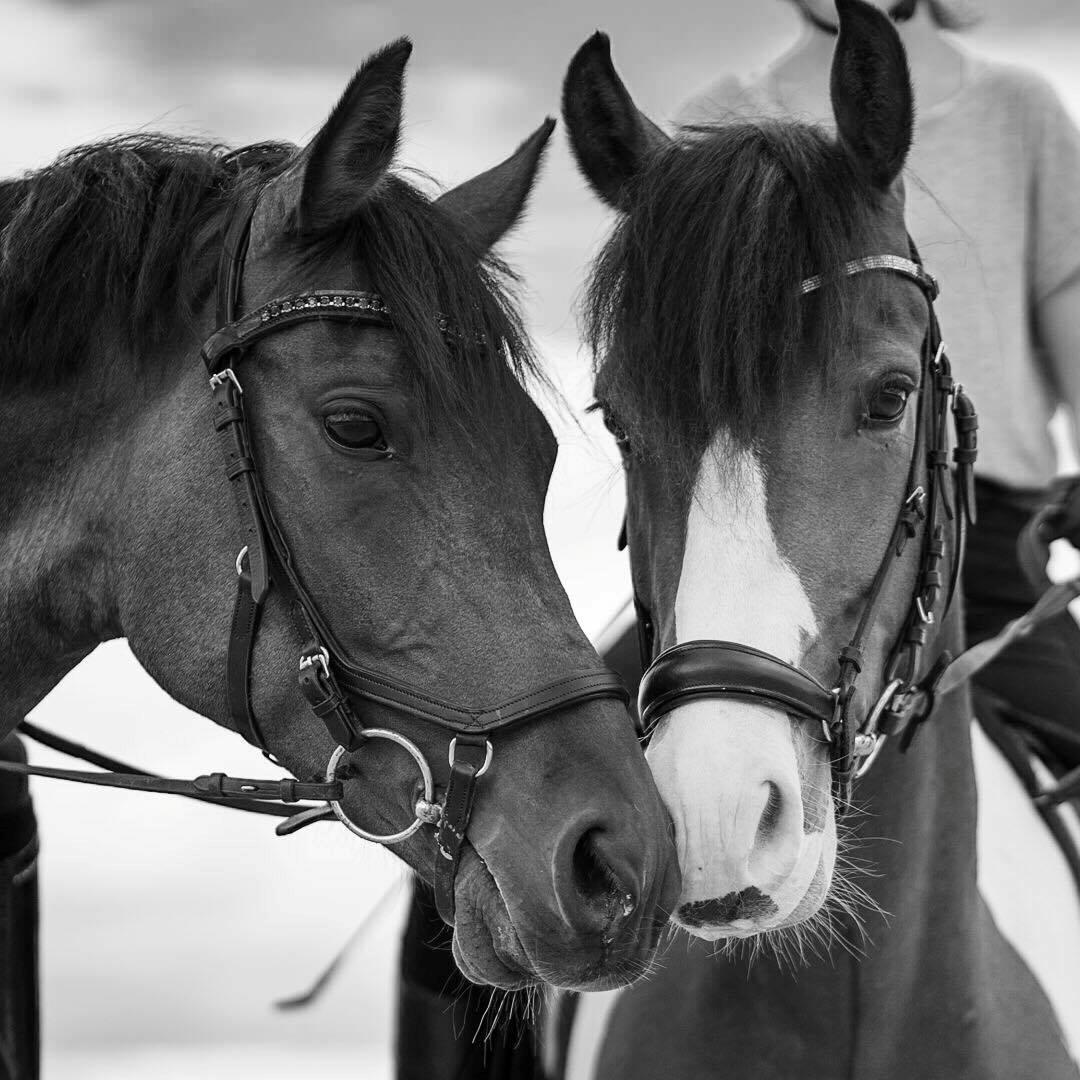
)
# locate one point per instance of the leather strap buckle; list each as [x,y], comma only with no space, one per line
[869,740]
[319,659]
[223,376]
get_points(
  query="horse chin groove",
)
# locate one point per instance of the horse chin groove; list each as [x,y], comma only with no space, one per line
[489,949]
[486,945]
[750,914]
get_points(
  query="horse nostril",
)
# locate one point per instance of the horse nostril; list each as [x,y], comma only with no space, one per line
[749,903]
[770,814]
[601,891]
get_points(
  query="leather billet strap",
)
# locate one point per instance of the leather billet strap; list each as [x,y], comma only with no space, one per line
[325,699]
[470,756]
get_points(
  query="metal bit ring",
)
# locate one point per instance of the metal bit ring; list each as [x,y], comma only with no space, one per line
[425,773]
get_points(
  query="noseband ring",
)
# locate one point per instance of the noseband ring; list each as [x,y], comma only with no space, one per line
[426,810]
[868,740]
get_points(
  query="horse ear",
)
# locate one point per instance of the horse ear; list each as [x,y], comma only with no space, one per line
[489,205]
[611,138]
[871,92]
[346,161]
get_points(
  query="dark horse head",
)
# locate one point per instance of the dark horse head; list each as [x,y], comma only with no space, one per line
[403,464]
[768,432]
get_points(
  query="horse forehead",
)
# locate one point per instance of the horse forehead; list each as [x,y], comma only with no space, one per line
[735,583]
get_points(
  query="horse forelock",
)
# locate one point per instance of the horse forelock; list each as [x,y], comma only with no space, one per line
[107,241]
[119,241]
[692,308]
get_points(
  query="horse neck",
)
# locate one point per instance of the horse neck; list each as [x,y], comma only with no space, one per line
[65,452]
[921,813]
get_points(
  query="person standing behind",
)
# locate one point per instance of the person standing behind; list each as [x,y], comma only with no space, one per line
[993,204]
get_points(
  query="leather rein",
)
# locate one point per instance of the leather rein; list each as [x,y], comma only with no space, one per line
[329,679]
[724,669]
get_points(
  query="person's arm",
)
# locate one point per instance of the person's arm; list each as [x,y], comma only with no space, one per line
[1057,325]
[1054,158]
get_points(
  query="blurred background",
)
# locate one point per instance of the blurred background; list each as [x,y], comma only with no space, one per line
[170,928]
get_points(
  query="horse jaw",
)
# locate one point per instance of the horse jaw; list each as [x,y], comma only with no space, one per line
[748,788]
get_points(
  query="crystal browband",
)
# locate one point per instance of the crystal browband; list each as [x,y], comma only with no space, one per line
[896,263]
[339,304]
[361,301]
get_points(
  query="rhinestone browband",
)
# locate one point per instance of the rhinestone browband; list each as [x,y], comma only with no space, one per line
[306,302]
[896,263]
[341,304]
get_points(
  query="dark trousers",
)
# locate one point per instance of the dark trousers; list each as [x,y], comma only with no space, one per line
[18,924]
[1039,673]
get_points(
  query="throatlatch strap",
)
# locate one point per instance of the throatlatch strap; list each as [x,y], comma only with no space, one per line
[470,754]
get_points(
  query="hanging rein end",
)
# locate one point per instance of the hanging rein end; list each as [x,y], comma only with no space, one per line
[916,706]
[966,421]
[306,817]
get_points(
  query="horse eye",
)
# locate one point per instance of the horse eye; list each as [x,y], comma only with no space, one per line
[887,404]
[622,440]
[355,430]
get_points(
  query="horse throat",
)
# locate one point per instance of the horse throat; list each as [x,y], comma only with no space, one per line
[63,458]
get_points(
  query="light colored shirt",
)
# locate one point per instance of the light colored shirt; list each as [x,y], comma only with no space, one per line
[993,204]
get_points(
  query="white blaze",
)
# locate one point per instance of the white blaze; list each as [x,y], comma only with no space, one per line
[720,763]
[735,585]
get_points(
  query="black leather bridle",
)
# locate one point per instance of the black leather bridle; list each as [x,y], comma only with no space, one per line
[721,669]
[329,679]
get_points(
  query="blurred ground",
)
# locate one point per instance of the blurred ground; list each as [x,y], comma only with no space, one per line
[170,927]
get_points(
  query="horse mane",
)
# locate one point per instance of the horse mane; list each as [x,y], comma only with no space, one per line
[116,244]
[692,309]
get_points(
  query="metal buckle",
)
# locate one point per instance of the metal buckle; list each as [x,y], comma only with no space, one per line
[926,616]
[320,659]
[916,499]
[427,810]
[240,560]
[868,740]
[220,376]
[826,726]
[936,362]
[487,757]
